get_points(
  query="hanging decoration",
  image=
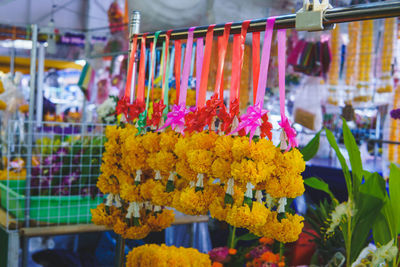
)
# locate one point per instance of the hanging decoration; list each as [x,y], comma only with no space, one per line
[203,159]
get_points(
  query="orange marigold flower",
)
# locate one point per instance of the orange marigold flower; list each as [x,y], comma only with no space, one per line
[217,264]
[232,251]
[266,240]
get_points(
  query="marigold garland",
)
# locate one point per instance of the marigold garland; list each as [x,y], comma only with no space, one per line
[164,256]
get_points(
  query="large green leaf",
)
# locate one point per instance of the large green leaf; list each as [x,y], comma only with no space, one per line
[318,184]
[311,148]
[384,228]
[354,156]
[345,168]
[370,199]
[394,191]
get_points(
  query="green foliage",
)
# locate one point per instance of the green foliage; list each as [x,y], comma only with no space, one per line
[311,149]
[318,184]
[373,209]
[317,217]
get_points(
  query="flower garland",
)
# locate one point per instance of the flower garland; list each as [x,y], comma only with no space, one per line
[155,255]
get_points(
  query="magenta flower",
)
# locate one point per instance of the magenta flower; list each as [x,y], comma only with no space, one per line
[220,254]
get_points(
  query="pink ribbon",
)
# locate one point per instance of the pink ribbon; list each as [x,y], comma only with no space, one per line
[199,64]
[285,123]
[251,120]
[290,132]
[186,68]
[266,52]
[176,118]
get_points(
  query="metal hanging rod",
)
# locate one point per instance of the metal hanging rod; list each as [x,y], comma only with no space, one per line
[376,10]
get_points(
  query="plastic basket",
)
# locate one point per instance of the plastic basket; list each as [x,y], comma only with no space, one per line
[51,209]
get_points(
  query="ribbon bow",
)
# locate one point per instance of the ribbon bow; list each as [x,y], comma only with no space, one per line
[122,106]
[157,113]
[289,132]
[141,123]
[251,120]
[176,118]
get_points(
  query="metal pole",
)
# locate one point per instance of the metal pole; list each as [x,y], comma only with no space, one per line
[12,60]
[120,251]
[40,80]
[134,29]
[376,10]
[25,250]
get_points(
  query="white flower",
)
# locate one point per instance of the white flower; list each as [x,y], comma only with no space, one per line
[384,254]
[105,109]
[341,213]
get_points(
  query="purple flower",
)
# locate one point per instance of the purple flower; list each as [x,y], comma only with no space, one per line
[62,152]
[70,178]
[50,160]
[258,251]
[61,190]
[219,254]
[395,114]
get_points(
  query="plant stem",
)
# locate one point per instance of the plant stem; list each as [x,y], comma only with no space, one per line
[280,251]
[348,249]
[232,243]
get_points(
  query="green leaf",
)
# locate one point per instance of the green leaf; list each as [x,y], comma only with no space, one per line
[247,237]
[384,228]
[354,156]
[345,168]
[311,148]
[394,192]
[318,184]
[370,200]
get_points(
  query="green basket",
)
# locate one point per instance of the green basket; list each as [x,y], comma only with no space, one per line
[53,209]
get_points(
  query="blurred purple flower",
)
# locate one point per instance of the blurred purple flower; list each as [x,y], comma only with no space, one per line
[61,190]
[50,160]
[70,178]
[395,114]
[219,254]
[258,251]
[62,152]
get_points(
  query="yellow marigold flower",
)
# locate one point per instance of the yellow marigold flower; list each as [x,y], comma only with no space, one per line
[100,216]
[194,203]
[218,209]
[130,192]
[184,170]
[168,140]
[133,232]
[181,147]
[3,105]
[250,171]
[223,147]
[200,160]
[160,197]
[244,217]
[1,87]
[151,142]
[164,256]
[263,150]
[111,132]
[289,185]
[24,108]
[107,185]
[294,161]
[160,221]
[240,148]
[180,183]
[165,161]
[204,140]
[221,169]
[286,230]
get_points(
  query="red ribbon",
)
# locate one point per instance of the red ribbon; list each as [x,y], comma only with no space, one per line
[142,68]
[256,62]
[132,59]
[237,60]
[222,45]
[177,66]
[206,66]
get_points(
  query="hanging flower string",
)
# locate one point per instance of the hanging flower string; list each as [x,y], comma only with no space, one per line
[201,166]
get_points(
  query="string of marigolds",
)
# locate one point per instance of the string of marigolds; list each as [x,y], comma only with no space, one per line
[245,184]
